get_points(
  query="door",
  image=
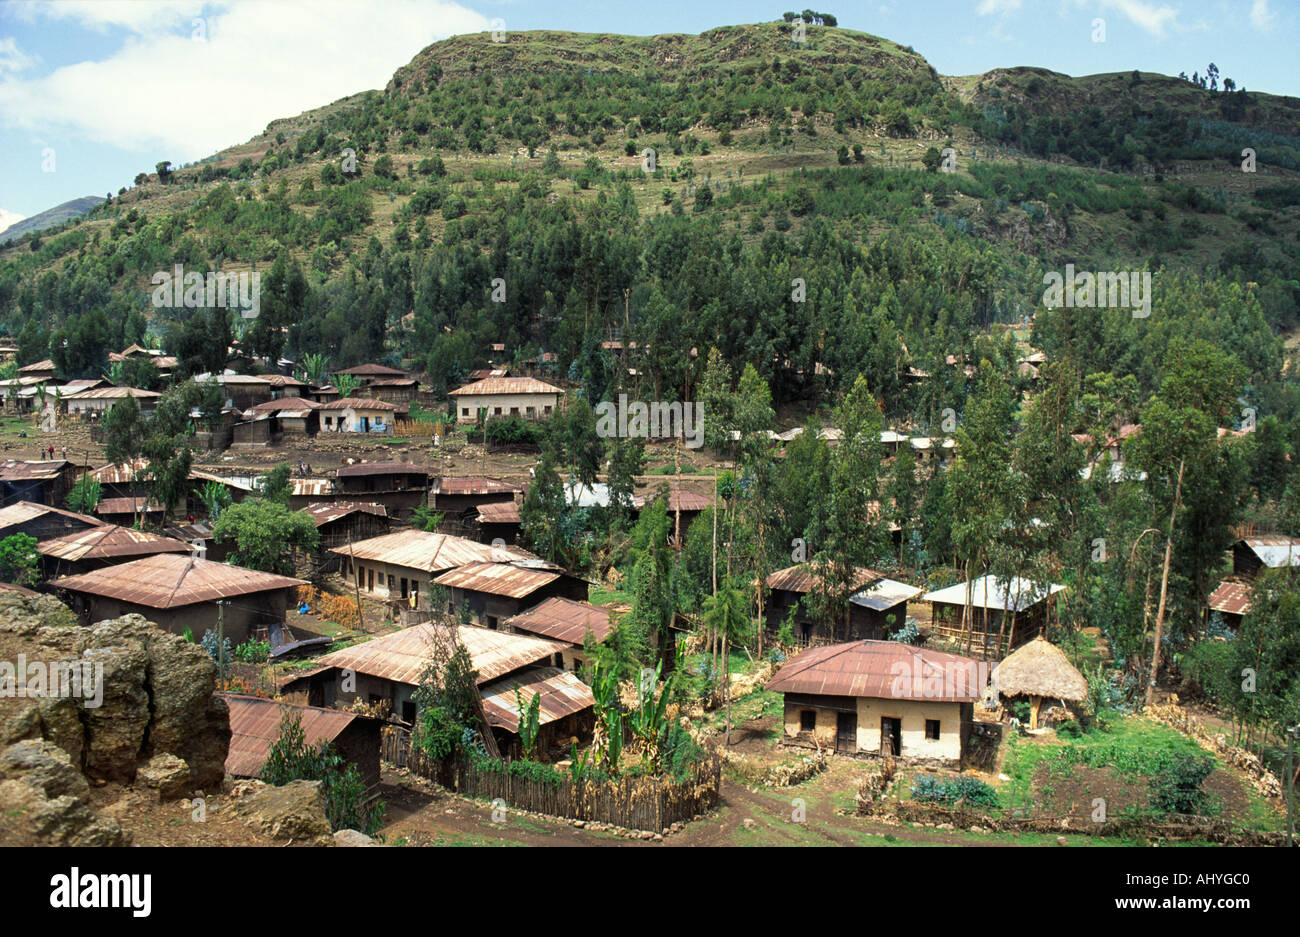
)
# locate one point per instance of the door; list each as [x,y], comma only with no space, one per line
[403,582]
[891,736]
[846,732]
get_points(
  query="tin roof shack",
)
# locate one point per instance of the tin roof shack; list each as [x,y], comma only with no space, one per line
[308,491]
[562,619]
[399,391]
[202,543]
[401,487]
[881,698]
[369,373]
[241,391]
[42,370]
[124,479]
[97,547]
[125,511]
[388,670]
[284,387]
[875,611]
[343,522]
[357,415]
[255,727]
[683,508]
[46,481]
[97,401]
[461,496]
[256,431]
[495,591]
[293,416]
[179,592]
[1252,554]
[400,565]
[42,521]
[520,397]
[1232,601]
[498,520]
[1006,614]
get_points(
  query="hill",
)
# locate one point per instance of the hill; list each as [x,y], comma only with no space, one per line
[51,217]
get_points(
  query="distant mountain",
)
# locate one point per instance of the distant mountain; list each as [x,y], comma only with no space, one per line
[8,218]
[50,217]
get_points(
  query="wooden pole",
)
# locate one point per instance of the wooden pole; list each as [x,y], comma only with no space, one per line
[1164,587]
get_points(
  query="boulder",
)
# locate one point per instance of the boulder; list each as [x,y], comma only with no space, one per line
[46,800]
[167,774]
[293,811]
[352,838]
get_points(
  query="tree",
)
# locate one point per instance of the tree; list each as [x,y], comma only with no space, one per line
[216,498]
[724,615]
[19,561]
[653,582]
[931,160]
[626,461]
[84,496]
[543,512]
[164,170]
[276,486]
[901,493]
[266,535]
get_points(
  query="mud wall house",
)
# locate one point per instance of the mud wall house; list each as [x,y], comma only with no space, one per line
[255,727]
[124,479]
[38,370]
[284,387]
[401,566]
[1251,555]
[180,591]
[566,620]
[44,481]
[343,522]
[94,403]
[499,521]
[880,698]
[126,511]
[305,492]
[683,508]
[242,391]
[367,374]
[356,415]
[400,487]
[1231,599]
[521,397]
[388,670]
[42,521]
[1005,613]
[494,591]
[293,416]
[464,495]
[399,391]
[97,547]
[255,432]
[877,609]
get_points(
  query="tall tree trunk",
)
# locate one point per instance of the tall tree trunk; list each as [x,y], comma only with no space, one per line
[1164,587]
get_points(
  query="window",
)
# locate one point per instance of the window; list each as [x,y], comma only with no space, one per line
[496,411]
[514,411]
[492,622]
[464,411]
[807,720]
[547,411]
[932,729]
[408,711]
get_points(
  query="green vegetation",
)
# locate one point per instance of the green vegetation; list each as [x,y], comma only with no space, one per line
[292,759]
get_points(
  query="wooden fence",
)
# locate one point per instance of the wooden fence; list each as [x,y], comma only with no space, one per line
[635,803]
[417,428]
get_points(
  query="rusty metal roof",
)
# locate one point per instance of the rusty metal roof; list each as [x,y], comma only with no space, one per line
[499,512]
[386,467]
[113,393]
[13,470]
[402,656]
[801,579]
[20,512]
[169,580]
[677,501]
[285,403]
[1232,598]
[507,579]
[127,506]
[357,403]
[505,385]
[330,511]
[563,694]
[255,726]
[393,382]
[121,473]
[312,487]
[881,670]
[110,540]
[564,620]
[428,552]
[46,365]
[472,485]
[373,370]
[283,380]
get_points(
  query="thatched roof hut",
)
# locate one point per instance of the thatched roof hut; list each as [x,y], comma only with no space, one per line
[1040,671]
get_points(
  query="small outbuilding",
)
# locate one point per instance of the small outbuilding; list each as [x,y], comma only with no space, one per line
[1039,672]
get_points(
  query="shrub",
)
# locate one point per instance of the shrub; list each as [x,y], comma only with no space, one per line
[253,652]
[213,645]
[958,791]
[1176,788]
[292,759]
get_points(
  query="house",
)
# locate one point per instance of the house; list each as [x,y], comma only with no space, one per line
[498,520]
[1006,613]
[878,608]
[881,698]
[323,394]
[40,370]
[284,386]
[241,391]
[683,508]
[255,727]
[387,670]
[400,487]
[497,590]
[182,592]
[567,620]
[305,492]
[522,397]
[126,510]
[461,496]
[399,391]
[42,521]
[402,565]
[96,547]
[45,481]
[294,416]
[357,415]
[97,401]
[1231,599]
[124,479]
[367,374]
[343,522]
[1250,555]
[1039,672]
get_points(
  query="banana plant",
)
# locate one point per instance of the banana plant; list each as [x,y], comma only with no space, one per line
[529,722]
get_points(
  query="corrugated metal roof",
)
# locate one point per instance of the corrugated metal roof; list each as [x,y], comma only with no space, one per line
[392,382]
[881,670]
[1232,598]
[169,580]
[800,578]
[1275,552]
[357,403]
[285,403]
[372,370]
[40,470]
[564,620]
[677,501]
[402,656]
[283,380]
[563,694]
[386,467]
[202,476]
[505,579]
[472,485]
[331,511]
[255,726]
[428,552]
[312,487]
[107,541]
[46,365]
[113,393]
[506,385]
[127,506]
[499,512]
[885,594]
[20,512]
[1024,592]
[121,473]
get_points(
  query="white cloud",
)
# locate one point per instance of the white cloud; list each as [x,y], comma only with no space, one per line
[9,218]
[135,15]
[12,58]
[1261,17]
[1154,19]
[161,92]
[997,7]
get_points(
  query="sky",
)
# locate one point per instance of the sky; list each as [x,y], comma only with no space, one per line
[94,91]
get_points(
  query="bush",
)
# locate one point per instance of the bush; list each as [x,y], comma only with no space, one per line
[958,791]
[215,650]
[1176,788]
[253,652]
[292,759]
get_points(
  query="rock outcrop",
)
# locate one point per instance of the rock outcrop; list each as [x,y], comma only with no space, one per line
[293,811]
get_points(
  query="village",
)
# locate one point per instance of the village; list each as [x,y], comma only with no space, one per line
[488,686]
